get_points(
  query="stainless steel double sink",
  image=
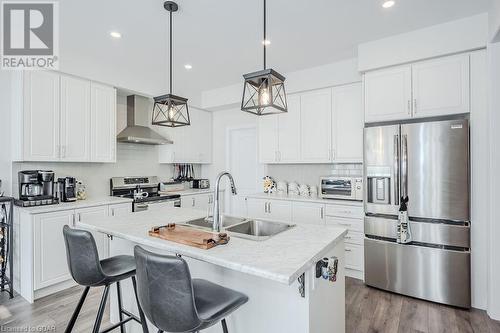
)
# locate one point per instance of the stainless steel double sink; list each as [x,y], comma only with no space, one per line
[257,230]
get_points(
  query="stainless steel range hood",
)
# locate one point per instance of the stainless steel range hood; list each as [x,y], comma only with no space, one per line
[138,108]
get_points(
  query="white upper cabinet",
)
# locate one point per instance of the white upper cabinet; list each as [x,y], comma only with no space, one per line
[432,88]
[441,86]
[41,117]
[64,118]
[347,133]
[321,126]
[289,132]
[316,126]
[192,144]
[75,119]
[268,139]
[388,94]
[103,123]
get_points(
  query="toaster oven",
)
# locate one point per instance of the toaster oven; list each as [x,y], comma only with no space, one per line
[343,188]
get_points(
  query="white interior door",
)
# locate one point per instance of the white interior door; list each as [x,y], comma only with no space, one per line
[242,163]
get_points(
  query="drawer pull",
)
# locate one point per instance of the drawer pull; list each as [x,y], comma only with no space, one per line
[348,250]
[346,224]
[347,237]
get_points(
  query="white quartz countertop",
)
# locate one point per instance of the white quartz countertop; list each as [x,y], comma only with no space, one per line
[281,258]
[90,202]
[304,199]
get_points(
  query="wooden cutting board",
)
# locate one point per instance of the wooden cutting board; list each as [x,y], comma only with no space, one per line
[189,236]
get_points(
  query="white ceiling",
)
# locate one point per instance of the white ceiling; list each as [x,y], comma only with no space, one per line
[222,38]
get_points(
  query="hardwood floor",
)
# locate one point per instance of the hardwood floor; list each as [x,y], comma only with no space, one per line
[367,310]
[372,310]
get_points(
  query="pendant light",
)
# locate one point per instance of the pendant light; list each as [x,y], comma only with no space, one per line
[264,91]
[170,110]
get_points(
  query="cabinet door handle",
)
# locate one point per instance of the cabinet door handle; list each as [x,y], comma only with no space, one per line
[79,217]
[112,212]
[322,212]
[63,151]
[192,202]
[265,207]
[345,224]
[269,209]
[73,218]
[409,107]
[415,105]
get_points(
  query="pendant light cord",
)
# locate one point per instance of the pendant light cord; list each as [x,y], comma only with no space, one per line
[265,40]
[171,52]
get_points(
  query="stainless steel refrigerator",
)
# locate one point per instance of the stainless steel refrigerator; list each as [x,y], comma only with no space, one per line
[429,163]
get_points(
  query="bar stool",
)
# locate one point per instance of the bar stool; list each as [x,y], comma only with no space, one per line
[87,270]
[174,302]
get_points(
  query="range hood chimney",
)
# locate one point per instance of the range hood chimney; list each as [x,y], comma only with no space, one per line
[138,106]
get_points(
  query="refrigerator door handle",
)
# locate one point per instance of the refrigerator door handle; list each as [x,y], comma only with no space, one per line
[396,169]
[404,165]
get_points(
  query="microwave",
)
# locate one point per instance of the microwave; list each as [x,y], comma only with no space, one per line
[343,188]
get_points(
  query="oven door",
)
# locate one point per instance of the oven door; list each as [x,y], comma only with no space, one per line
[337,188]
[155,205]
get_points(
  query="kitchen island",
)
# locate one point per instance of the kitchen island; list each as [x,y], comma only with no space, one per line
[277,274]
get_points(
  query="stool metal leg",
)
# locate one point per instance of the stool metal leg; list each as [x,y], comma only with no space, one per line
[224,326]
[72,321]
[144,324]
[120,307]
[100,312]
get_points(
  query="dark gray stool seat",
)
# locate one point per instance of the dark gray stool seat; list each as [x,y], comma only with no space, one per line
[214,302]
[118,268]
[174,302]
[87,270]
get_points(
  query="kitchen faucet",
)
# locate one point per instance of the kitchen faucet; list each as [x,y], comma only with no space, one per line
[217,219]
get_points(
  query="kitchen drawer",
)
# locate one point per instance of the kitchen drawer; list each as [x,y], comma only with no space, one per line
[354,256]
[349,224]
[353,212]
[354,237]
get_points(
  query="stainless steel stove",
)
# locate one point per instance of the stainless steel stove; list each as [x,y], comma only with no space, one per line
[144,191]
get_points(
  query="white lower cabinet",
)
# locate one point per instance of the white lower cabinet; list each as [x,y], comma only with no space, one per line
[278,210]
[120,209]
[339,214]
[49,250]
[354,257]
[202,201]
[41,251]
[312,213]
[86,214]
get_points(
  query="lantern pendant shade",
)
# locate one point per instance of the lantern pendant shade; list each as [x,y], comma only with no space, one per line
[170,111]
[264,93]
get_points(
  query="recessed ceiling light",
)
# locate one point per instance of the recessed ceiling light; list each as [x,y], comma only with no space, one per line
[115,34]
[188,66]
[266,42]
[388,3]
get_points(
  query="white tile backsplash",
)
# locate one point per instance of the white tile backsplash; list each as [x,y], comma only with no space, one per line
[131,160]
[310,173]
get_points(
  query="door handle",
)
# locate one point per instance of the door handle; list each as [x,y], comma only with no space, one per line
[396,169]
[404,165]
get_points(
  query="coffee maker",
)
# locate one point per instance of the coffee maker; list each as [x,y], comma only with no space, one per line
[36,187]
[66,189]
